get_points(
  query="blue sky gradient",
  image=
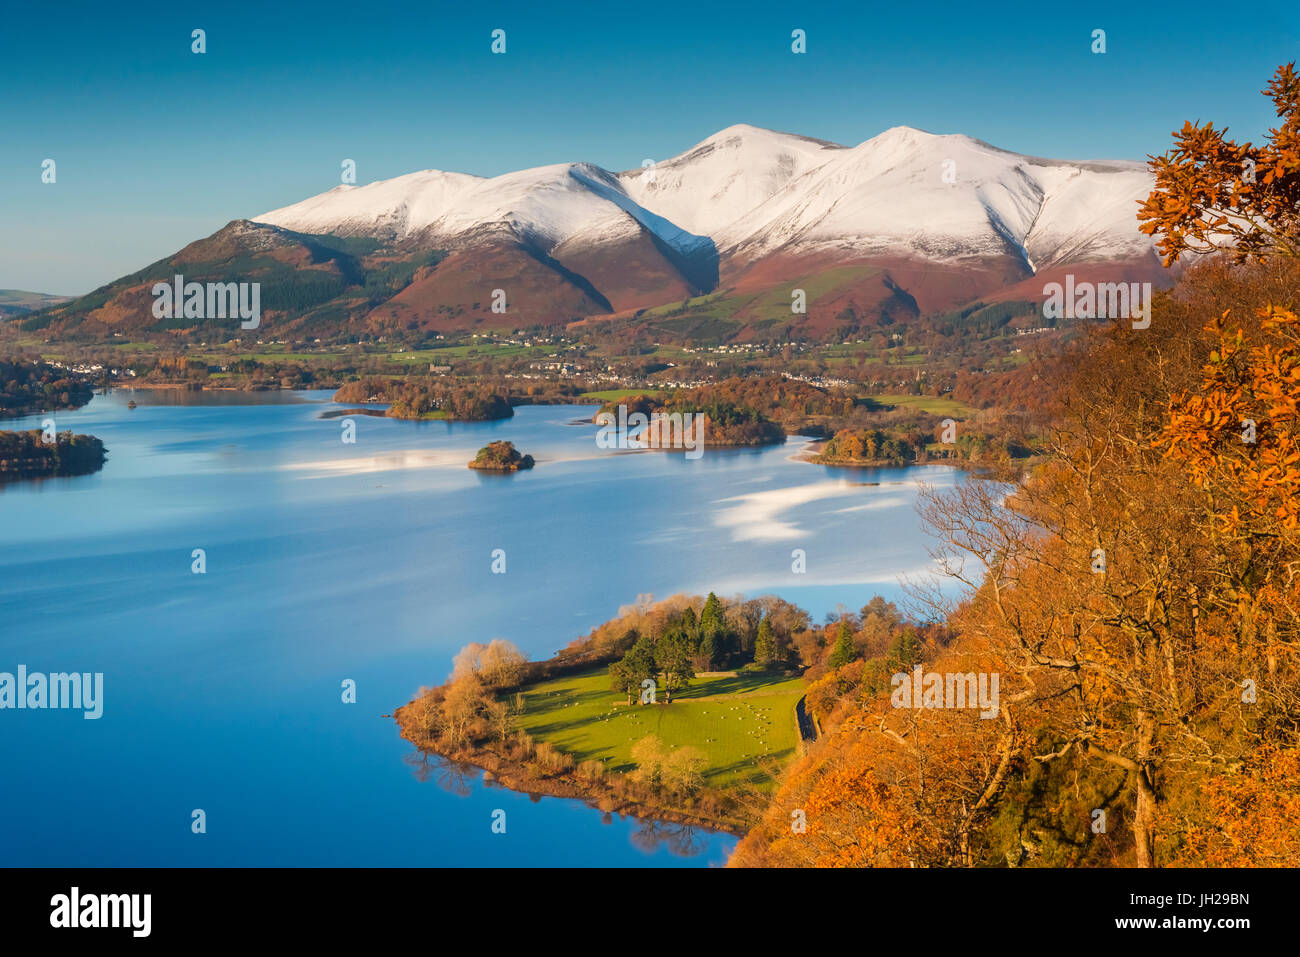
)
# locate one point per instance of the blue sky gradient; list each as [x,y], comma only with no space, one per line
[157,146]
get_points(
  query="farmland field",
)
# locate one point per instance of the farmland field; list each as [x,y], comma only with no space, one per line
[743,722]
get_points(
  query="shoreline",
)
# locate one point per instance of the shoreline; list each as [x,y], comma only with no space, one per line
[813,452]
[186,387]
[523,779]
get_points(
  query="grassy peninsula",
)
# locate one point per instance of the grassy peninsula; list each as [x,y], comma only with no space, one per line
[682,710]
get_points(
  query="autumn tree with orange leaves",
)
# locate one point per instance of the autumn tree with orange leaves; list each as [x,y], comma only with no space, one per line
[1213,193]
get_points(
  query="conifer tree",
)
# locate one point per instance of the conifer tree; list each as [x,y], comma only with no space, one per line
[765,645]
[842,653]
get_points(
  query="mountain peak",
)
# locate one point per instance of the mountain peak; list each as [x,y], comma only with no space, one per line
[897,132]
[738,129]
[748,134]
[911,136]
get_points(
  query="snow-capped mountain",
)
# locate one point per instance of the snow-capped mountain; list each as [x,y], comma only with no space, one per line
[746,192]
[711,244]
[948,197]
[730,174]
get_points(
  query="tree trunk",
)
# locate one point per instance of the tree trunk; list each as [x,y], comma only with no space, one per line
[1144,817]
[1144,824]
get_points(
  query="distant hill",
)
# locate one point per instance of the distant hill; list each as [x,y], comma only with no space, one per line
[17,302]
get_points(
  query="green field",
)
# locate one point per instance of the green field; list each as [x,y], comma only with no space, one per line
[935,405]
[216,358]
[494,349]
[847,350]
[610,395]
[272,352]
[773,302]
[740,721]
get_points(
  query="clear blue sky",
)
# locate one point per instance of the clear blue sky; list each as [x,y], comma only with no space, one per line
[157,146]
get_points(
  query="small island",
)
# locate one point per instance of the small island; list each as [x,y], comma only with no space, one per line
[427,399]
[711,421]
[868,448]
[28,455]
[501,457]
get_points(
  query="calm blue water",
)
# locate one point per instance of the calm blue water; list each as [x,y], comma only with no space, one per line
[371,561]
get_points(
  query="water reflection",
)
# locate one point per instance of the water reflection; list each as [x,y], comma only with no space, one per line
[454,777]
[194,397]
[680,840]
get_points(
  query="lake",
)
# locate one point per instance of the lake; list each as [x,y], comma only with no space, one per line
[372,562]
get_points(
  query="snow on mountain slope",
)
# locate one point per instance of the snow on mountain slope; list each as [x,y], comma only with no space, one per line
[685,201]
[609,188]
[377,209]
[1090,212]
[948,197]
[748,192]
[726,176]
[546,205]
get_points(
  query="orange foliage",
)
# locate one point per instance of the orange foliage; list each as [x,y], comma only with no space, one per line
[1212,192]
[1253,816]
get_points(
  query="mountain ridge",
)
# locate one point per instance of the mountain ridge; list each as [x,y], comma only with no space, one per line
[906,219]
